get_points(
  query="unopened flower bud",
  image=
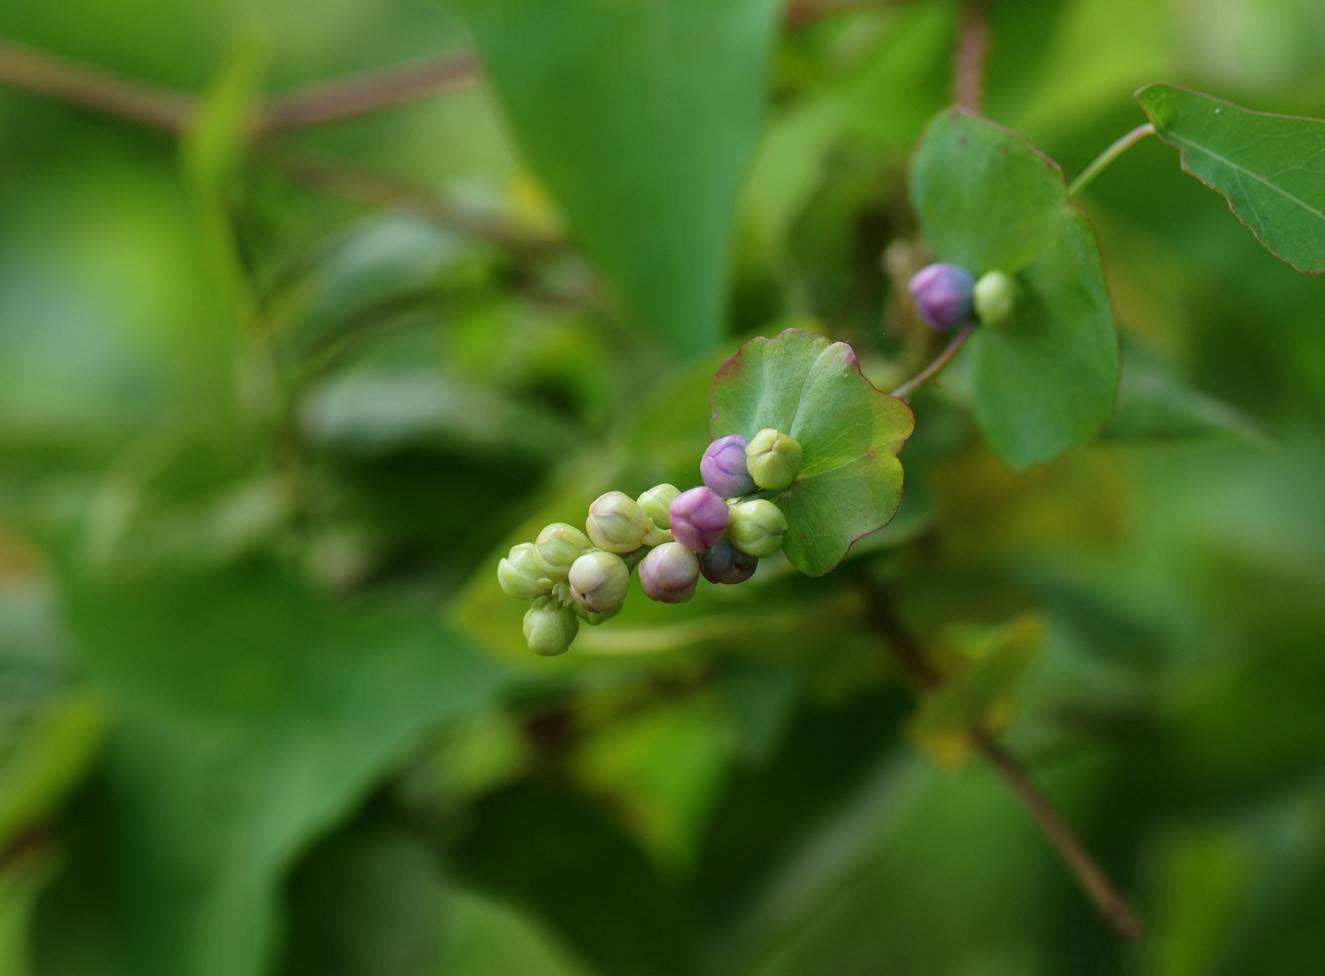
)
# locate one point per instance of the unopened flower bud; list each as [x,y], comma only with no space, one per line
[591,617]
[549,627]
[773,459]
[669,573]
[995,298]
[654,502]
[757,527]
[598,581]
[558,546]
[724,563]
[723,467]
[943,294]
[522,574]
[699,518]
[617,523]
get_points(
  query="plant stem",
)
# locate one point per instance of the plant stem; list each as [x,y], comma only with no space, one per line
[94,88]
[905,391]
[171,110]
[377,189]
[1091,877]
[371,91]
[968,75]
[1105,158]
[1094,882]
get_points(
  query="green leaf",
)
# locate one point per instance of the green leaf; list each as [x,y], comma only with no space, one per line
[558,856]
[1155,403]
[1270,168]
[489,937]
[45,758]
[664,771]
[370,900]
[850,482]
[641,119]
[1045,381]
[251,716]
[987,665]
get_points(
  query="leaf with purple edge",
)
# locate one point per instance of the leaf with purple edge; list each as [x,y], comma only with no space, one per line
[850,480]
[1046,379]
[1270,168]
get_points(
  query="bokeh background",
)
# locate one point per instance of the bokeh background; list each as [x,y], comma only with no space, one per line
[270,412]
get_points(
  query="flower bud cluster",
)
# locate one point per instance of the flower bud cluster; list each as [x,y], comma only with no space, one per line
[948,296]
[717,530]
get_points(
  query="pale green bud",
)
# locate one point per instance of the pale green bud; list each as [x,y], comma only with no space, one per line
[549,627]
[616,523]
[655,502]
[522,574]
[757,527]
[598,581]
[995,298]
[773,459]
[591,618]
[558,546]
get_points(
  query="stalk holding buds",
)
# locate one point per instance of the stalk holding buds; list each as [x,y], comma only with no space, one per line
[943,295]
[757,527]
[598,582]
[669,573]
[549,627]
[699,518]
[773,459]
[724,563]
[558,546]
[616,523]
[522,574]
[723,467]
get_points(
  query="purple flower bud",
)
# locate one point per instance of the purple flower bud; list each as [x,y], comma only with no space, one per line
[723,467]
[669,573]
[943,295]
[699,517]
[724,563]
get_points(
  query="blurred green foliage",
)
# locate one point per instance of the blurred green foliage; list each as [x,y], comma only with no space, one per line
[262,706]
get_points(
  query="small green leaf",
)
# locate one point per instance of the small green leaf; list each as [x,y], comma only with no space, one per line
[1270,168]
[641,118]
[850,481]
[1046,380]
[985,668]
[45,757]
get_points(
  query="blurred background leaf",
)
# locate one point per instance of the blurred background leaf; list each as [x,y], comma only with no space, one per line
[641,120]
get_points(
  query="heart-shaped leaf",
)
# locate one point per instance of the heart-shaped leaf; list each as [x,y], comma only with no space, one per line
[641,118]
[1270,168]
[1046,380]
[850,481]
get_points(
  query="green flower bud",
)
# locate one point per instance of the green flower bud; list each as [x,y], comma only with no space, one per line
[773,459]
[549,627]
[522,574]
[995,298]
[598,581]
[558,546]
[757,527]
[655,501]
[617,523]
[590,617]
